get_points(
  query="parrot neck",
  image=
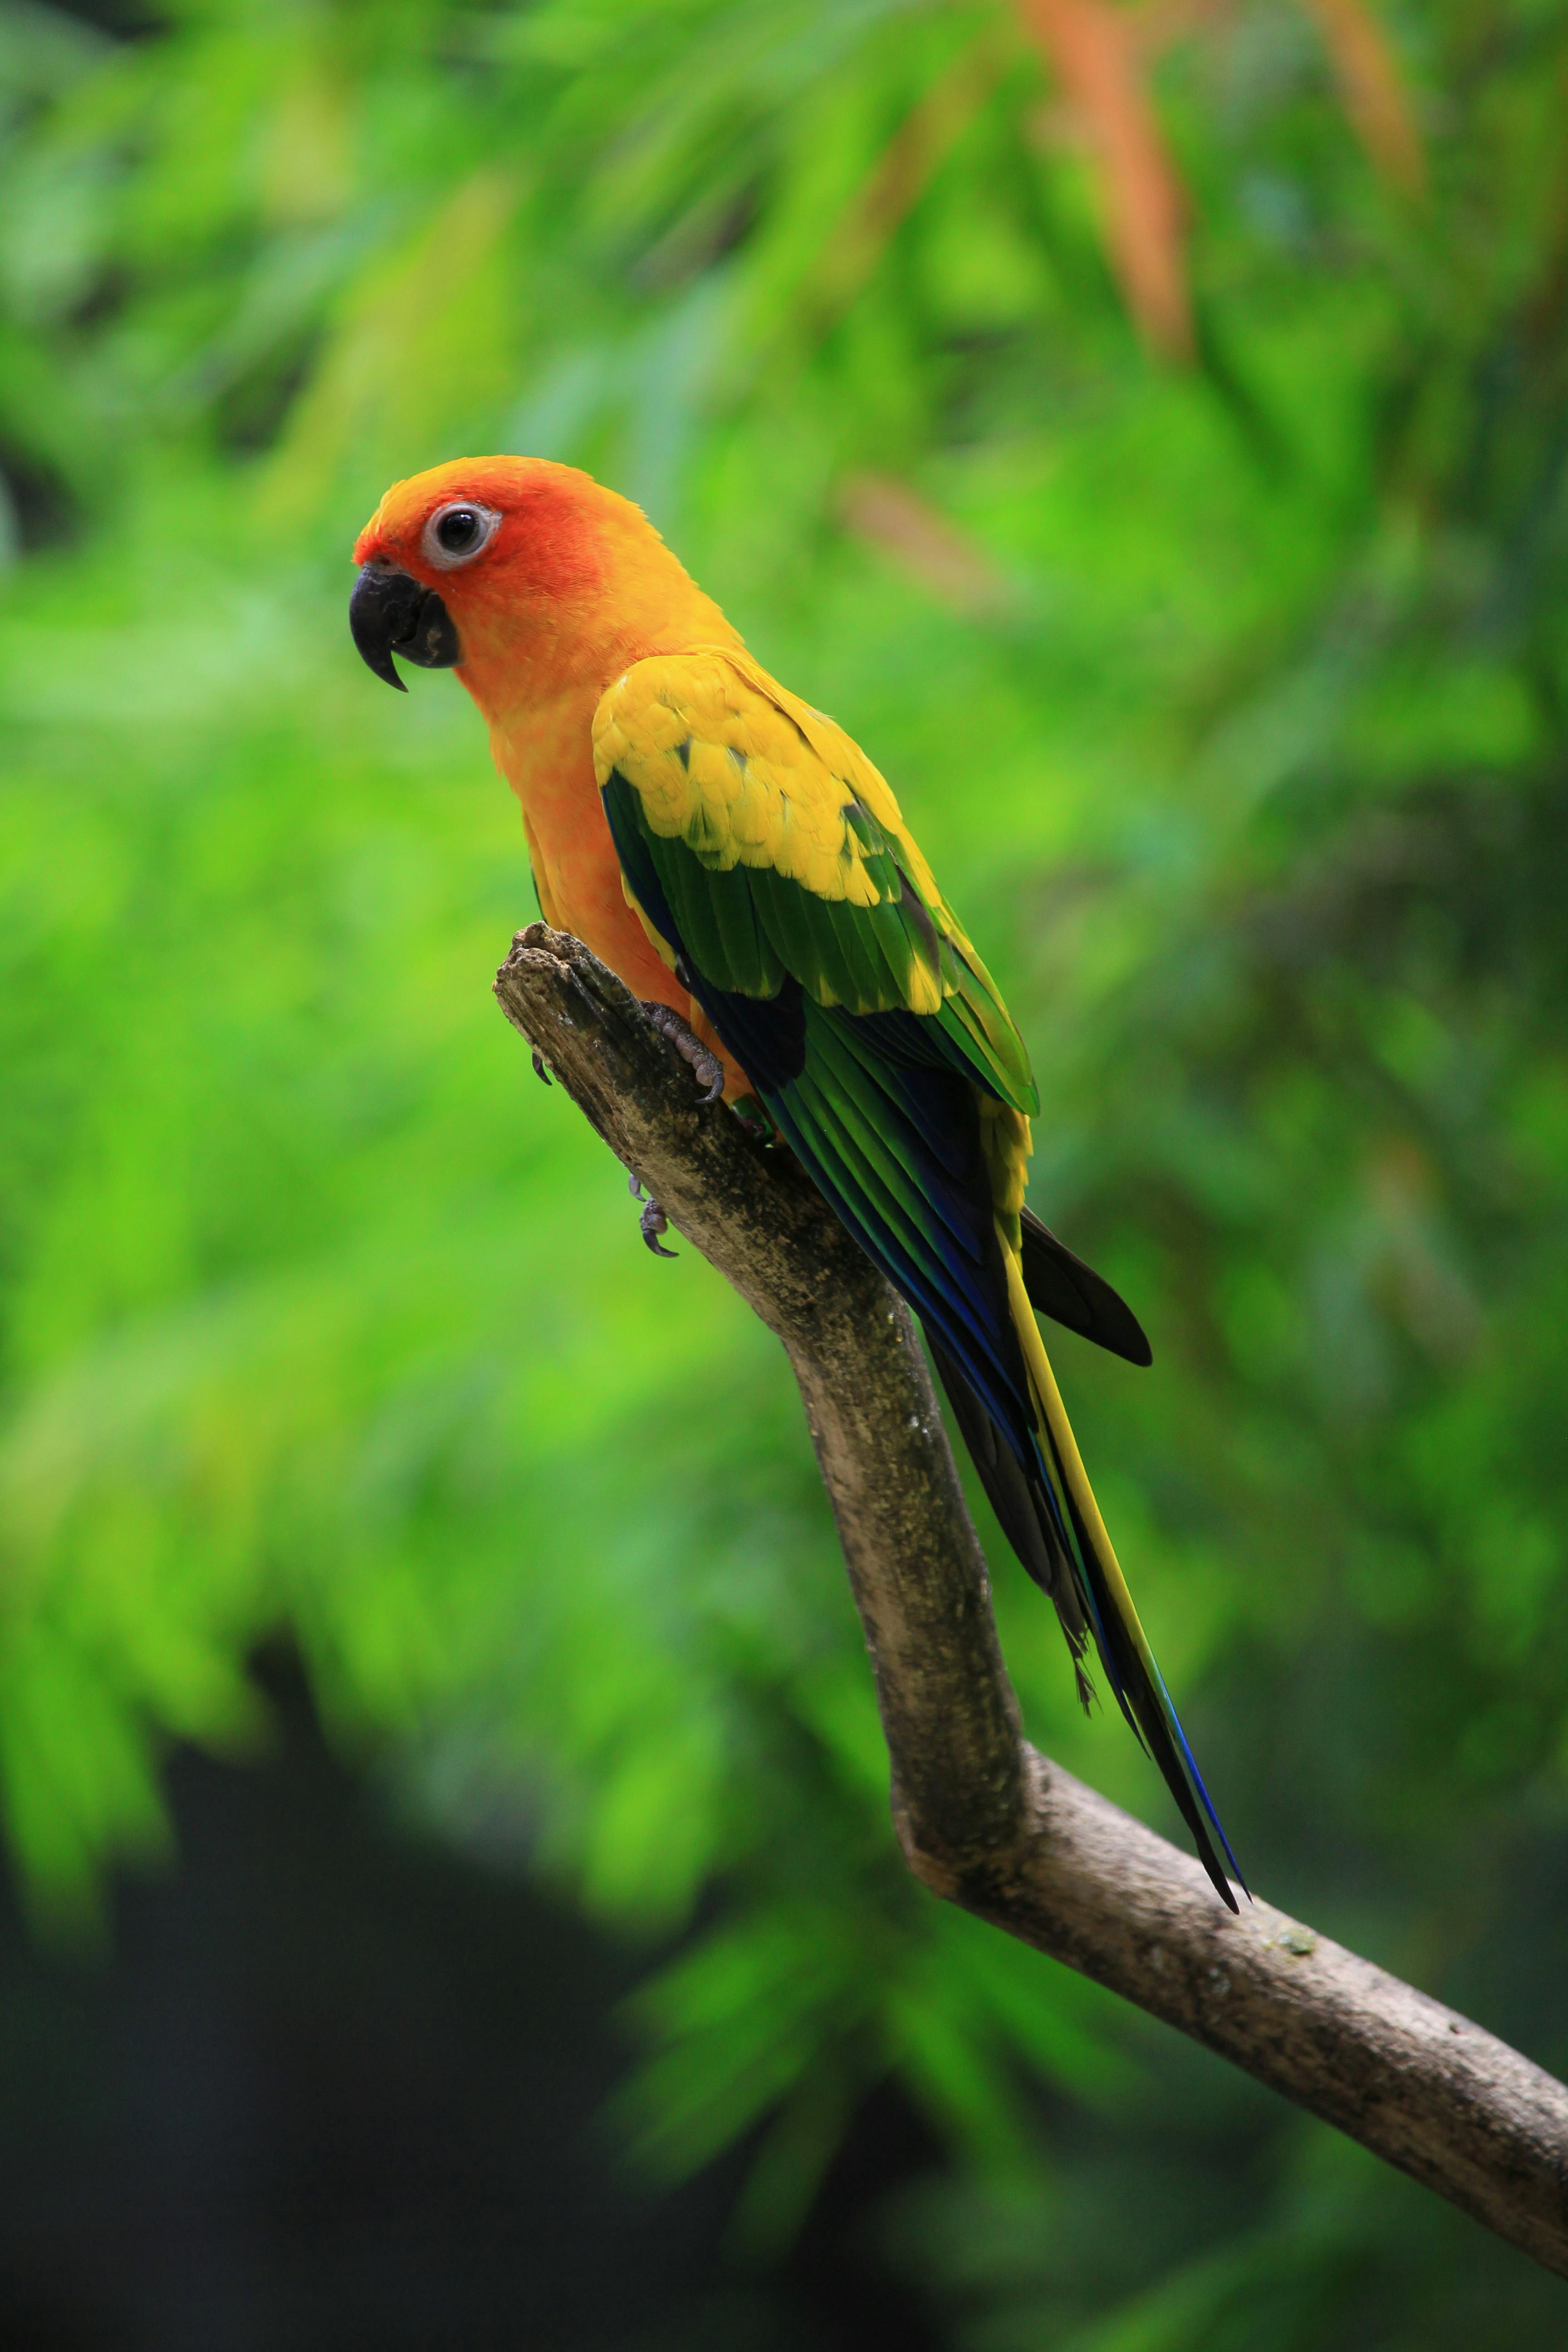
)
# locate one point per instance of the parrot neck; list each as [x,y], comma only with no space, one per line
[553,660]
[538,669]
[532,648]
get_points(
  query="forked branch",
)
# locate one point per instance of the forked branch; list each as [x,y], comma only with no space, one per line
[983,1820]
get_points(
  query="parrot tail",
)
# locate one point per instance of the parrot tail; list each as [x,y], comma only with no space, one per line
[1046,1510]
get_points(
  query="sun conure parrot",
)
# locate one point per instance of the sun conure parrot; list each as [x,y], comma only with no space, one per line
[741,864]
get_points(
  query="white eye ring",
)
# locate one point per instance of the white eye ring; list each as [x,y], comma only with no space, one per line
[432,546]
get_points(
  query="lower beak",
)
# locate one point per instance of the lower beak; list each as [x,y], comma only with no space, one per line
[391,612]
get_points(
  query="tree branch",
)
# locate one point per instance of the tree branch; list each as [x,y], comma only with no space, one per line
[983,1818]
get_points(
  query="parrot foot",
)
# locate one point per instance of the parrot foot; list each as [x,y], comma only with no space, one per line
[540,1070]
[708,1068]
[653,1221]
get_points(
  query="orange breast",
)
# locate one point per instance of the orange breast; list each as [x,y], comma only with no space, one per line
[550,767]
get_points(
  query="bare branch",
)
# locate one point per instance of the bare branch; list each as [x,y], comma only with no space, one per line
[983,1818]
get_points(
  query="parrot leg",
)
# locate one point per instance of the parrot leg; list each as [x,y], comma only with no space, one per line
[708,1069]
[653,1221]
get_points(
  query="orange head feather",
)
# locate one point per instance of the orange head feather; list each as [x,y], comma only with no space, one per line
[565,581]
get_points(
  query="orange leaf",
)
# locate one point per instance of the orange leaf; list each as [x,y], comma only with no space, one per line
[1373,90]
[924,542]
[1096,51]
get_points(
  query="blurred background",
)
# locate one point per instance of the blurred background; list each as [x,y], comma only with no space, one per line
[451,1901]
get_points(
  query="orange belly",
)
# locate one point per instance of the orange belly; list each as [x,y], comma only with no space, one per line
[578,873]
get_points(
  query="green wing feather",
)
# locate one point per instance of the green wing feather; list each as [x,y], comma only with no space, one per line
[781,852]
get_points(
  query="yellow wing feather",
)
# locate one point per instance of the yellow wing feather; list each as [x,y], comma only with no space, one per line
[727,761]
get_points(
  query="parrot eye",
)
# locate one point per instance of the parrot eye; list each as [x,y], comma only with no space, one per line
[455,533]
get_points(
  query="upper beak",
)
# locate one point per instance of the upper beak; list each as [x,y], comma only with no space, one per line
[390,613]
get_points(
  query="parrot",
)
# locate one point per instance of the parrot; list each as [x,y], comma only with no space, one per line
[735,857]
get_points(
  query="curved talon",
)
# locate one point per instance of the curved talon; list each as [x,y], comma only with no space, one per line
[653,1221]
[706,1065]
[540,1071]
[650,1224]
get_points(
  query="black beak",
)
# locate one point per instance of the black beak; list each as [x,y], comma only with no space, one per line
[390,613]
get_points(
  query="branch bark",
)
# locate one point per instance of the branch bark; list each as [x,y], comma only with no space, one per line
[983,1820]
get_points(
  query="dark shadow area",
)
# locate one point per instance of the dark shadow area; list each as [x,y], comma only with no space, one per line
[43,512]
[336,2086]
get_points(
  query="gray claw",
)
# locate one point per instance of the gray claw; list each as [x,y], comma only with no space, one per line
[707,1066]
[650,1224]
[540,1071]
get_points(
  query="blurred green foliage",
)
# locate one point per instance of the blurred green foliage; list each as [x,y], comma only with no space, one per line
[1228,700]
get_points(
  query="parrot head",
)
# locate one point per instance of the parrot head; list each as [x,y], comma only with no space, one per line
[478,564]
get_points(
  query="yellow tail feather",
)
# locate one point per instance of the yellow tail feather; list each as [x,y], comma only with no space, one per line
[1061,1449]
